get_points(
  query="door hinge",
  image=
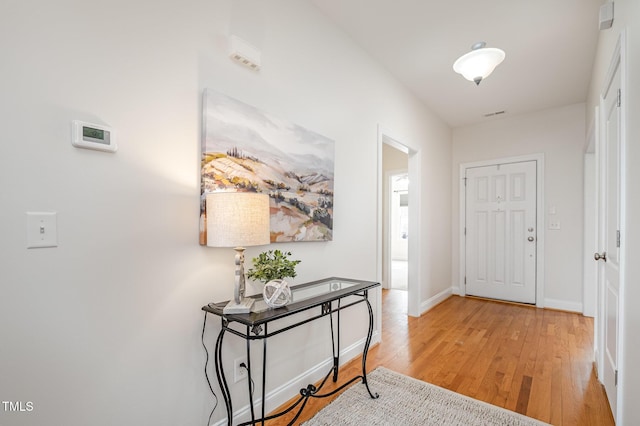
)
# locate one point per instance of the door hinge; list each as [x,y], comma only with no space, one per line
[465,230]
[465,181]
[619,97]
[465,280]
[618,238]
[616,378]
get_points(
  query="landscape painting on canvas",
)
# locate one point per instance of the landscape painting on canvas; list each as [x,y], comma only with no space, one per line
[246,149]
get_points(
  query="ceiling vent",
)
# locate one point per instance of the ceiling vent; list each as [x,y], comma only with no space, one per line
[244,53]
[491,114]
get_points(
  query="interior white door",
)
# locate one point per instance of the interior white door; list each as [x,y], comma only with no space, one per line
[609,242]
[500,231]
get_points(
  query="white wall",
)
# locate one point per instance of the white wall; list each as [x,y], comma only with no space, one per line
[105,329]
[559,134]
[627,17]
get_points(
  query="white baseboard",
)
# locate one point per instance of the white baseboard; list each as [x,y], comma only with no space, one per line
[563,305]
[290,389]
[428,304]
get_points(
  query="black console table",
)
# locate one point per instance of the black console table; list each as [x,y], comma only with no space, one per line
[327,296]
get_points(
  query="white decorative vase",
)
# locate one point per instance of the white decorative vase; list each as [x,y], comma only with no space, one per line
[276,293]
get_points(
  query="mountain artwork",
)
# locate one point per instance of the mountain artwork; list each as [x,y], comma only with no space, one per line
[246,149]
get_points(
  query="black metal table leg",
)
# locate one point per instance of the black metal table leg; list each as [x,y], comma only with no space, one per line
[366,346]
[335,353]
[336,357]
[253,415]
[222,380]
[264,372]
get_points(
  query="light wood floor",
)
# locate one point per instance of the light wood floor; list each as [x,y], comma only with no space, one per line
[536,362]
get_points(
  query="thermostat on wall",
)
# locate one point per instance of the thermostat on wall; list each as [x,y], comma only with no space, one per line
[93,136]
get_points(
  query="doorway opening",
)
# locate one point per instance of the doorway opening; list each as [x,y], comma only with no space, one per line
[392,147]
[395,221]
[398,230]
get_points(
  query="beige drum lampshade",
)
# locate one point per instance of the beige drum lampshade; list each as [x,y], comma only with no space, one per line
[237,219]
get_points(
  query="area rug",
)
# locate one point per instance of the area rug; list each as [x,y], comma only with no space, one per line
[407,401]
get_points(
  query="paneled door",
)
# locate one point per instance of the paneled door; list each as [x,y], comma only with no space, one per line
[500,231]
[610,156]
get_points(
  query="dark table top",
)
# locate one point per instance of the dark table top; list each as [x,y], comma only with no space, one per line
[303,297]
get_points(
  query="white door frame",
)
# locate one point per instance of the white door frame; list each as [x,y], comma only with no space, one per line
[415,245]
[540,222]
[590,229]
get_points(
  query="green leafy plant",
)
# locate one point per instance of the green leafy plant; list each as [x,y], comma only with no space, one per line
[271,265]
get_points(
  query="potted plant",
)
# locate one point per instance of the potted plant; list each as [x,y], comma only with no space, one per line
[272,267]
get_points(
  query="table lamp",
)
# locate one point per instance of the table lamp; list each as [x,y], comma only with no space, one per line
[237,219]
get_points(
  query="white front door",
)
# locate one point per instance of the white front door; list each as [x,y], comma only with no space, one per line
[609,153]
[500,231]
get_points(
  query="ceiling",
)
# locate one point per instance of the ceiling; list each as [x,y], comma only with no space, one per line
[550,47]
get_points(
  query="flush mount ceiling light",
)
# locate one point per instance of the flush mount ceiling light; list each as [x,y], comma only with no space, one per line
[479,63]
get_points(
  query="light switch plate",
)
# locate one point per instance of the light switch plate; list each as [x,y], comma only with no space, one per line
[42,229]
[555,225]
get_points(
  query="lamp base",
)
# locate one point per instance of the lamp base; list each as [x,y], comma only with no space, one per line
[244,307]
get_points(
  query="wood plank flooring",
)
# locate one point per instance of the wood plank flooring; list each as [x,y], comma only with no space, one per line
[536,362]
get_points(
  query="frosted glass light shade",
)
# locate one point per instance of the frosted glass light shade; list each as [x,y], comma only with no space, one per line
[237,219]
[479,63]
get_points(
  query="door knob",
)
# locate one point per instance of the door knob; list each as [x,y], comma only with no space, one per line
[598,256]
[530,239]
